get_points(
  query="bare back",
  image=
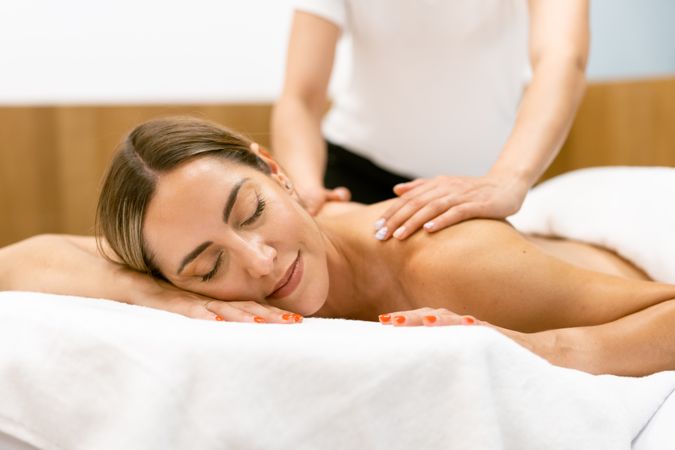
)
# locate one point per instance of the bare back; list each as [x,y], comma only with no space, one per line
[487,269]
[580,254]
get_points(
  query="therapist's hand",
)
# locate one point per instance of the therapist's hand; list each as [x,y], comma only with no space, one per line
[313,198]
[437,203]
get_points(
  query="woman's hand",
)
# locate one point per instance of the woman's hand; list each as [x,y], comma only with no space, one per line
[567,347]
[442,201]
[313,199]
[427,317]
[162,295]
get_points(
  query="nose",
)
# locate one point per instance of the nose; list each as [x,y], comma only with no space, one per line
[258,258]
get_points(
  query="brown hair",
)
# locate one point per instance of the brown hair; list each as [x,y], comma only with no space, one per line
[153,148]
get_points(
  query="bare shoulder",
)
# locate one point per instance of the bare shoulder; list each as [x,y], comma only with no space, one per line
[471,237]
[336,209]
[465,253]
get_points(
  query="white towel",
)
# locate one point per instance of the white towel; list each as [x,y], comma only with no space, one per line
[94,374]
[630,210]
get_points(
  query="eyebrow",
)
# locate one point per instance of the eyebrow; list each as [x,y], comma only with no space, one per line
[231,199]
[192,255]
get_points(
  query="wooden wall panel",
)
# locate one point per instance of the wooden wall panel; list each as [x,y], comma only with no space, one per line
[627,123]
[52,157]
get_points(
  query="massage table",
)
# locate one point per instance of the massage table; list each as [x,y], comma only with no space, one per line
[82,373]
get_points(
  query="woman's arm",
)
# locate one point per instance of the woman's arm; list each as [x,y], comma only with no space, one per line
[639,344]
[635,345]
[571,316]
[71,265]
[558,46]
[297,142]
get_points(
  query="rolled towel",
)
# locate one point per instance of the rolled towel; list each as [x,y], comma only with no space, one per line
[630,210]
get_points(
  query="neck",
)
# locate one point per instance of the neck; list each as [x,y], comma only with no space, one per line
[359,274]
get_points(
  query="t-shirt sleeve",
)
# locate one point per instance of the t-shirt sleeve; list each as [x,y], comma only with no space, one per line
[332,10]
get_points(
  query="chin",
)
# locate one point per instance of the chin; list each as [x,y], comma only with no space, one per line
[310,300]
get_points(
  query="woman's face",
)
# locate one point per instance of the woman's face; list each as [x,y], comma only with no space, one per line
[231,232]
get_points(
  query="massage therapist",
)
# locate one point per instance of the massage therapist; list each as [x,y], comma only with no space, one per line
[458,106]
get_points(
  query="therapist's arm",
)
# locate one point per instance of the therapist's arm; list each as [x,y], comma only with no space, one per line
[72,265]
[559,39]
[297,142]
[558,48]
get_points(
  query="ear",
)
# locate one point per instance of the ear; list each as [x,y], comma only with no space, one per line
[276,172]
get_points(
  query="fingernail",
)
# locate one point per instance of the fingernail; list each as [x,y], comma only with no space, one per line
[430,319]
[381,234]
[287,316]
[429,226]
[297,318]
[468,320]
[399,232]
[400,320]
[385,318]
[219,319]
[259,319]
[379,224]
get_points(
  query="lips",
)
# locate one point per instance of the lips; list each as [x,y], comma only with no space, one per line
[290,280]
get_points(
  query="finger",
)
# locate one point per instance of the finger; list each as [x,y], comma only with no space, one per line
[405,211]
[426,214]
[198,311]
[268,313]
[229,313]
[182,302]
[340,194]
[421,188]
[405,318]
[399,202]
[402,188]
[454,215]
[314,205]
[446,318]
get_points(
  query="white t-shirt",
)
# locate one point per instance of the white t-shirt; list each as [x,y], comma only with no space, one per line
[434,84]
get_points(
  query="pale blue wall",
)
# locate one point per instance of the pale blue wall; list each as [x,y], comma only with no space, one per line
[632,39]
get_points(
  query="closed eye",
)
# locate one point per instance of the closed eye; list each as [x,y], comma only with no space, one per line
[216,266]
[260,206]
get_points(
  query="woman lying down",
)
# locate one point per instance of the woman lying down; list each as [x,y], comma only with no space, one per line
[198,220]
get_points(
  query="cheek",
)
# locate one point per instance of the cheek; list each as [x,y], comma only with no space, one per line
[316,279]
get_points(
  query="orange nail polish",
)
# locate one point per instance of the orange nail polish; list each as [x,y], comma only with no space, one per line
[219,319]
[297,318]
[430,319]
[287,316]
[385,318]
[399,319]
[468,320]
[259,319]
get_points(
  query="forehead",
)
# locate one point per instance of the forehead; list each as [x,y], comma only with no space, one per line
[198,177]
[207,169]
[191,197]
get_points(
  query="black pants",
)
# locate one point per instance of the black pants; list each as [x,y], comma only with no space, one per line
[369,183]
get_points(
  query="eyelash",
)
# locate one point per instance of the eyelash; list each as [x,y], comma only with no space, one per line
[210,275]
[258,211]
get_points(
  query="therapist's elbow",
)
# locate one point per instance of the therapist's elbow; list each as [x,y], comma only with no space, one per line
[568,68]
[308,100]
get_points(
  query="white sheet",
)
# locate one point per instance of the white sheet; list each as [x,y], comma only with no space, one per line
[630,210]
[94,374]
[659,434]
